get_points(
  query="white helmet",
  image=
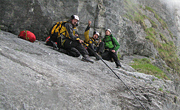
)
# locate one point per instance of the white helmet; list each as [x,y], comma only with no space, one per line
[96,33]
[108,30]
[75,17]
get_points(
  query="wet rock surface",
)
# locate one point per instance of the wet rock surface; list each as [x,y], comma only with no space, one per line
[34,76]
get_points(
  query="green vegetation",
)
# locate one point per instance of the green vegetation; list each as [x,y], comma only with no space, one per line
[166,49]
[160,89]
[18,49]
[163,23]
[175,99]
[119,55]
[167,91]
[163,38]
[145,66]
[139,18]
[131,9]
[135,14]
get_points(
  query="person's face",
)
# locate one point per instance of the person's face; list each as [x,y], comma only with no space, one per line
[108,33]
[74,22]
[95,36]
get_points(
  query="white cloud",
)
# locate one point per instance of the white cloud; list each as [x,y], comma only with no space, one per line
[172,4]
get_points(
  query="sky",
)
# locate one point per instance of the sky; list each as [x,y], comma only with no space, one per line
[172,4]
[174,7]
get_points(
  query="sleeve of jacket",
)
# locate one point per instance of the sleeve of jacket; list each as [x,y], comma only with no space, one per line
[86,34]
[116,44]
[70,29]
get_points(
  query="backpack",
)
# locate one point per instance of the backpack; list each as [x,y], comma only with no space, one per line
[27,35]
[55,34]
[55,30]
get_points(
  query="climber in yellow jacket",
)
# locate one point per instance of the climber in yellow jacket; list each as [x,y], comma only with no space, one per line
[92,42]
[69,40]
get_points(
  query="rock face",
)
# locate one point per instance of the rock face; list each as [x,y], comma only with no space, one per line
[129,21]
[39,15]
[34,76]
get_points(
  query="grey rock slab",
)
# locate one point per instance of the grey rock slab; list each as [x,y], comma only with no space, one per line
[34,76]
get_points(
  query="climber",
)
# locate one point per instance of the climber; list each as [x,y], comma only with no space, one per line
[56,33]
[70,39]
[92,42]
[111,46]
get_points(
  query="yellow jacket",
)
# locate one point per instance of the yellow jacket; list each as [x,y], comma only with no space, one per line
[64,30]
[89,40]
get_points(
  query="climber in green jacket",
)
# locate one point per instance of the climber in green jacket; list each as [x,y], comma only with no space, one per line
[111,46]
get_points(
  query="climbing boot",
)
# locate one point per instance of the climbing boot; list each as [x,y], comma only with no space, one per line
[118,67]
[87,59]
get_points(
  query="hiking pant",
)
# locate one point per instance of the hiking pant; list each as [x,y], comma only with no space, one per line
[108,55]
[98,49]
[69,44]
[73,52]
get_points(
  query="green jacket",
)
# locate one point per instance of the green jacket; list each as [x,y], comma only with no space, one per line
[108,44]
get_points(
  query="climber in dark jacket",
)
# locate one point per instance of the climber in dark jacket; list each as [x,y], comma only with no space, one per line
[111,46]
[71,40]
[92,42]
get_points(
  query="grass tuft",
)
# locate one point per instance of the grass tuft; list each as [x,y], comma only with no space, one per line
[145,66]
